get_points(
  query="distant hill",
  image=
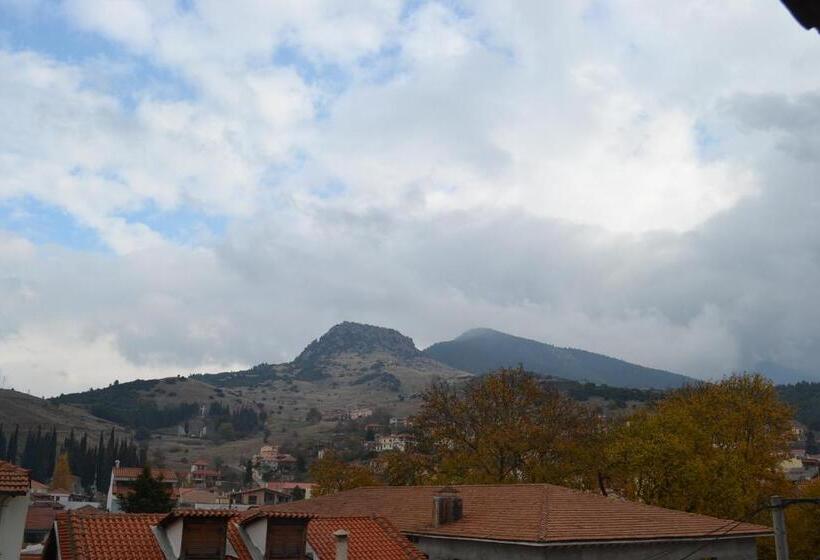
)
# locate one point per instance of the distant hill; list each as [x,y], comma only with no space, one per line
[371,358]
[30,412]
[782,375]
[482,350]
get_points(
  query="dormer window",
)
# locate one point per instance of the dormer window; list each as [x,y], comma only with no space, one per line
[285,539]
[203,539]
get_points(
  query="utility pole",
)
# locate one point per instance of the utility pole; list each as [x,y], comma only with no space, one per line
[778,506]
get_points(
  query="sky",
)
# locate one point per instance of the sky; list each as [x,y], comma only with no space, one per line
[201,185]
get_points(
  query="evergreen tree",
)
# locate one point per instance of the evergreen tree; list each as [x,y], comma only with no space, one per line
[149,495]
[51,452]
[102,469]
[2,443]
[248,477]
[11,450]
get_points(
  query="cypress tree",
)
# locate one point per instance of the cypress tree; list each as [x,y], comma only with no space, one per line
[99,475]
[11,451]
[51,451]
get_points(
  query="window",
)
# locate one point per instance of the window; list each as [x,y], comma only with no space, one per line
[286,540]
[252,500]
[203,539]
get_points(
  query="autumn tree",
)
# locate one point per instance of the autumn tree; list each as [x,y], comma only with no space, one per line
[713,448]
[334,475]
[405,468]
[148,495]
[62,478]
[507,427]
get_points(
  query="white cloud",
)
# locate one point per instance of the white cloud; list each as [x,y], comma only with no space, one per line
[582,173]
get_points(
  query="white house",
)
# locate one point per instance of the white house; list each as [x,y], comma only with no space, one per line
[15,488]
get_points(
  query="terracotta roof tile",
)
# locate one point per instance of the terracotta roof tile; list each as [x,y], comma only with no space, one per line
[540,513]
[124,536]
[369,539]
[41,515]
[13,479]
[200,513]
[131,473]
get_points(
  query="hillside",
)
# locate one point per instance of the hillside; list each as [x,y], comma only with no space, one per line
[30,412]
[367,357]
[482,350]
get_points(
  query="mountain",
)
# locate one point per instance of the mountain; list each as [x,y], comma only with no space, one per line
[367,357]
[782,375]
[482,350]
[30,412]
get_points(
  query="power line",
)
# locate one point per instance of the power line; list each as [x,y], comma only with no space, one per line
[726,528]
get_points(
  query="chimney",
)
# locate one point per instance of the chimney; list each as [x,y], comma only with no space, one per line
[447,506]
[341,544]
[117,464]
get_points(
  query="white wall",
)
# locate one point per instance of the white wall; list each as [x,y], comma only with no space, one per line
[12,525]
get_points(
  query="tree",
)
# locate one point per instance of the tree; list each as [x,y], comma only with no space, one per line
[405,468]
[248,476]
[314,416]
[334,475]
[812,447]
[149,495]
[507,427]
[62,478]
[713,448]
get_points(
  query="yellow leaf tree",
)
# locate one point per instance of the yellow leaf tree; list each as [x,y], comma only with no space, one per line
[334,475]
[713,448]
[506,427]
[62,479]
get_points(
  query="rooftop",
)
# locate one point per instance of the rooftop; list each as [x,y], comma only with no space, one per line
[13,479]
[130,537]
[534,513]
[131,473]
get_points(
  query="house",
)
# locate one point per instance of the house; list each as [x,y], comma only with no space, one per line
[293,488]
[202,498]
[260,497]
[122,479]
[221,534]
[201,475]
[39,519]
[270,458]
[357,413]
[15,487]
[398,442]
[529,521]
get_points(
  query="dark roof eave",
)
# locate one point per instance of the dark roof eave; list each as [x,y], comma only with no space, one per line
[595,542]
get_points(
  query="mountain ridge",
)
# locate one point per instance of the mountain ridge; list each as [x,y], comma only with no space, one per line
[480,350]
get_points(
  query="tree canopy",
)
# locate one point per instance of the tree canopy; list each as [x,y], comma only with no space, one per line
[149,495]
[713,448]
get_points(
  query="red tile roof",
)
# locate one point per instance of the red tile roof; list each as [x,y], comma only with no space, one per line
[184,513]
[13,479]
[41,515]
[370,538]
[536,513]
[131,473]
[126,536]
[289,485]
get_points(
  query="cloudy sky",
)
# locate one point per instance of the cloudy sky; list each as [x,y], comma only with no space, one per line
[203,185]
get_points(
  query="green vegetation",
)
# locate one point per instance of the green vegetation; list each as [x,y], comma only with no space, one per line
[805,398]
[484,350]
[149,495]
[124,404]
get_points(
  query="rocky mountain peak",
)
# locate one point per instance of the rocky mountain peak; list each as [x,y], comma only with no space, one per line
[358,338]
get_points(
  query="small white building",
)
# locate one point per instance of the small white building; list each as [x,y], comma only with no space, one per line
[15,489]
[397,442]
[357,413]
